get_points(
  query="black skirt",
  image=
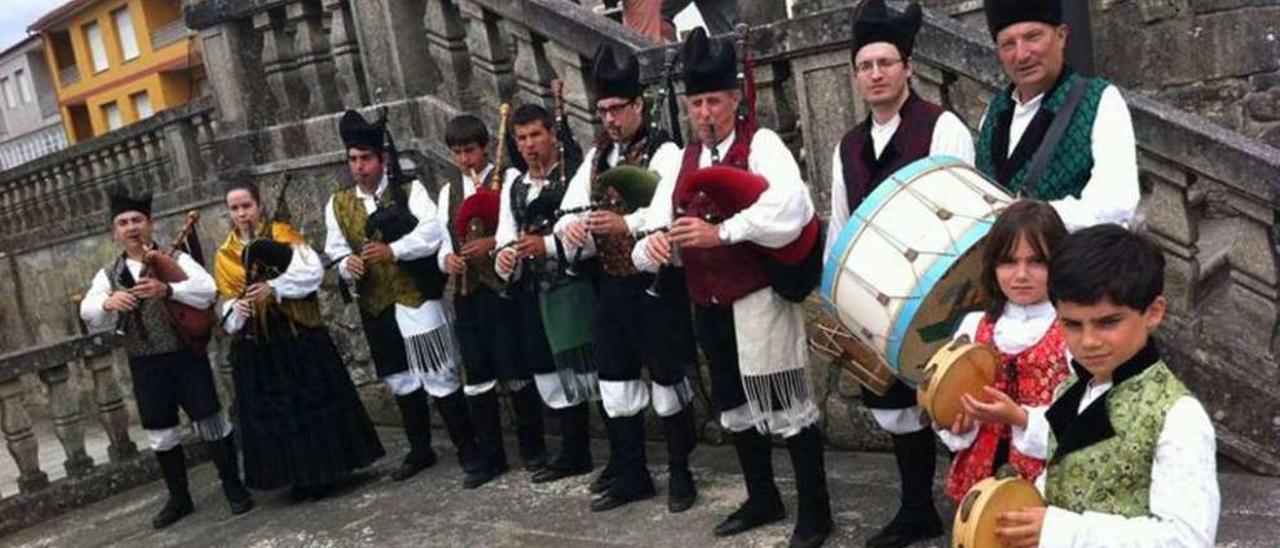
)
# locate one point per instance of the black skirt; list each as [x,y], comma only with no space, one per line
[301,421]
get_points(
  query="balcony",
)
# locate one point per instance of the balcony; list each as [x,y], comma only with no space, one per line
[168,34]
[68,76]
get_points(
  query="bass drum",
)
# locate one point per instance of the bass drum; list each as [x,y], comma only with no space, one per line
[906,267]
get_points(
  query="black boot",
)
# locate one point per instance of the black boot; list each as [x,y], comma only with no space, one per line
[632,481]
[917,519]
[530,434]
[813,519]
[764,504]
[227,461]
[490,454]
[457,423]
[610,470]
[575,447]
[173,464]
[416,415]
[682,492]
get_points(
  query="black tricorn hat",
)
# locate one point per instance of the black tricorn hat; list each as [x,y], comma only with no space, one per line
[710,64]
[873,23]
[121,202]
[1002,13]
[614,75]
[358,132]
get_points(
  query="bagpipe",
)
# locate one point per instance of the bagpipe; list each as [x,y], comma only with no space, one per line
[724,189]
[477,215]
[193,325]
[263,257]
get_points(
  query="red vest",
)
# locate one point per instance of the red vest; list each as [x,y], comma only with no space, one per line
[1030,378]
[718,276]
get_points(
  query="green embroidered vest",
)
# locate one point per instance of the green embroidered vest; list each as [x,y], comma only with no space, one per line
[1072,162]
[382,284]
[1114,476]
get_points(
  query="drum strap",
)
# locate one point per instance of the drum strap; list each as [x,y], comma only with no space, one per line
[1057,129]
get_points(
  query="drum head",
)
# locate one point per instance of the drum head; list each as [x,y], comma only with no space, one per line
[975,521]
[927,324]
[955,370]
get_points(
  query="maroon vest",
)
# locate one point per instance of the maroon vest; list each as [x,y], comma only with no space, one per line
[718,276]
[863,172]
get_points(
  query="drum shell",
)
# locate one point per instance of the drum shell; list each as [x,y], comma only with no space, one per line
[854,356]
[975,521]
[956,369]
[906,267]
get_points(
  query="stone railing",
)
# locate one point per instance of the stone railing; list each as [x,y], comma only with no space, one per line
[54,365]
[61,195]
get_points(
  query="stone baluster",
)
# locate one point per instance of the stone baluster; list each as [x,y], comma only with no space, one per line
[447,42]
[277,55]
[353,91]
[314,59]
[20,438]
[183,154]
[533,69]
[111,408]
[65,406]
[125,170]
[493,78]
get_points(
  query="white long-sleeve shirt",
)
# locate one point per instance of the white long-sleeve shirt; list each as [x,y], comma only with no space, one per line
[1184,497]
[468,187]
[197,291]
[1111,194]
[424,240]
[302,277]
[666,159]
[1017,329]
[950,137]
[774,220]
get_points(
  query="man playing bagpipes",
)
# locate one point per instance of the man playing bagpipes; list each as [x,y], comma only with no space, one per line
[486,322]
[167,359]
[640,323]
[384,235]
[548,301]
[1054,134]
[746,274]
[900,129]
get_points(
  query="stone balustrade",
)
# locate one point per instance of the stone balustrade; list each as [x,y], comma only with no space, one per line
[64,194]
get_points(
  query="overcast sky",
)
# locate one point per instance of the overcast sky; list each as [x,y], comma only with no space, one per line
[17,15]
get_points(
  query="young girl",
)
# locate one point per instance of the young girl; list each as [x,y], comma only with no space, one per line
[1019,323]
[301,421]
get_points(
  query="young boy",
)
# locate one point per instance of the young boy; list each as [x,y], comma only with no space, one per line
[1130,451]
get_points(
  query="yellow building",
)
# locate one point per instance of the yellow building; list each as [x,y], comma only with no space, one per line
[115,62]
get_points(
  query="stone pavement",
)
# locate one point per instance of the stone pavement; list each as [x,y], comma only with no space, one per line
[432,510]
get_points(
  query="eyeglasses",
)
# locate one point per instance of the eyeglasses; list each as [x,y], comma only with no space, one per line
[871,64]
[615,109]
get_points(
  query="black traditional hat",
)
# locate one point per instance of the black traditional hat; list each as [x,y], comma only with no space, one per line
[358,132]
[121,202]
[615,76]
[875,24]
[709,64]
[1002,13]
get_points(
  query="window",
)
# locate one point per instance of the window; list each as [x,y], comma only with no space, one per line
[111,112]
[10,92]
[97,50]
[24,86]
[124,29]
[142,104]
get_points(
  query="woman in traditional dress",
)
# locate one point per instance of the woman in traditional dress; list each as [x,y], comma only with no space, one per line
[1021,326]
[301,420]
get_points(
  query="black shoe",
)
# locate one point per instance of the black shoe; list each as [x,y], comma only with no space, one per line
[602,481]
[411,466]
[174,510]
[609,501]
[682,492]
[812,540]
[173,466]
[750,515]
[904,531]
[482,476]
[555,473]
